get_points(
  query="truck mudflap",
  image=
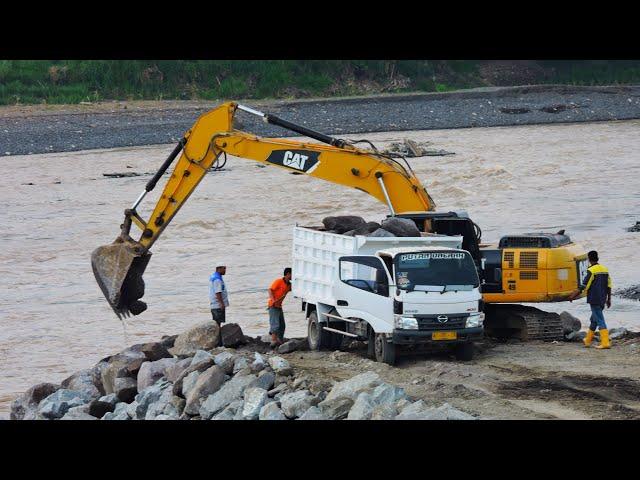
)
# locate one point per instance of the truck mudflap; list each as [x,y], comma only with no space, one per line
[411,337]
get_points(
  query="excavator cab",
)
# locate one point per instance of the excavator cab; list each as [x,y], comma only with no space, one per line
[531,267]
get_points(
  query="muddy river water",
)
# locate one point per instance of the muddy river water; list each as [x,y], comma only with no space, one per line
[584,178]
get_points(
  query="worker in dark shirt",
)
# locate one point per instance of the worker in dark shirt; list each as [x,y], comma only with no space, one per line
[597,283]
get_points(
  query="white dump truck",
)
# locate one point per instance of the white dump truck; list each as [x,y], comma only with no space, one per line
[388,291]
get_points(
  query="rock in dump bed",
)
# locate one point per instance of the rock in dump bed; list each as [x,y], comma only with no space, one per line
[354,225]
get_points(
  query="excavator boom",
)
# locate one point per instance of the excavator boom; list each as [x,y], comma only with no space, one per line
[118,267]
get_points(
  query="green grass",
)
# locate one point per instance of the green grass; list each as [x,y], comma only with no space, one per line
[74,81]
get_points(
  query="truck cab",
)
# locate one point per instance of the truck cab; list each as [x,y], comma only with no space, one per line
[411,296]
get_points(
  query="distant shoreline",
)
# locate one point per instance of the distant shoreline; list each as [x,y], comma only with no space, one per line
[36,129]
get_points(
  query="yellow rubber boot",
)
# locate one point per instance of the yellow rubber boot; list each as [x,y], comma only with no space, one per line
[589,338]
[604,339]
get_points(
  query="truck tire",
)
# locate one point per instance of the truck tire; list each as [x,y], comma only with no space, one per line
[317,337]
[384,351]
[464,351]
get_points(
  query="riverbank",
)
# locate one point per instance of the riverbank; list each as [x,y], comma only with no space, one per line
[186,377]
[33,129]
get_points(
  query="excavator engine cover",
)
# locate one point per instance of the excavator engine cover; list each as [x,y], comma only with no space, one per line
[118,269]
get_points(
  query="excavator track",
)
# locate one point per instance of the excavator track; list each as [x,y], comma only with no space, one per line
[525,323]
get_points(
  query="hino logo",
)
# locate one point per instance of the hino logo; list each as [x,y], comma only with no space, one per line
[443,318]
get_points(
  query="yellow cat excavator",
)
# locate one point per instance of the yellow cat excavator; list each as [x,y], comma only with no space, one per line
[533,267]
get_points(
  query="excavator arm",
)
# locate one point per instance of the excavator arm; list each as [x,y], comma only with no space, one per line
[118,267]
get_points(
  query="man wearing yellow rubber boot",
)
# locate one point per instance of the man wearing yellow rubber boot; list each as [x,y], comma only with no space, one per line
[597,283]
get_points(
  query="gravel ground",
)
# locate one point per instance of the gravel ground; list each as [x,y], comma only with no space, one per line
[42,129]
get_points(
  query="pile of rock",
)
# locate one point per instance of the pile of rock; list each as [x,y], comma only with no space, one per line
[634,228]
[632,293]
[187,377]
[409,148]
[353,225]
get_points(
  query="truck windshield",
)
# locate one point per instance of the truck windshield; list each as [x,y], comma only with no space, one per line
[435,271]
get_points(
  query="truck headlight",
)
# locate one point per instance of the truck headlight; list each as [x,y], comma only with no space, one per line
[475,320]
[406,323]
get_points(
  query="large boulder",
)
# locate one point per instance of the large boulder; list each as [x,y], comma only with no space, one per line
[124,365]
[384,412]
[230,411]
[362,408]
[232,335]
[101,406]
[265,380]
[241,364]
[208,383]
[88,381]
[365,229]
[200,356]
[271,411]
[225,360]
[75,414]
[387,394]
[230,391]
[419,411]
[258,363]
[401,227]
[570,323]
[25,406]
[173,372]
[336,408]
[199,367]
[280,366]
[296,403]
[204,336]
[314,413]
[125,388]
[189,382]
[381,232]
[352,387]
[152,350]
[148,396]
[58,403]
[293,345]
[119,413]
[163,405]
[254,400]
[151,372]
[168,341]
[343,223]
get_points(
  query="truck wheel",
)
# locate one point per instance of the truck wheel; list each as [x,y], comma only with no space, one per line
[317,337]
[371,344]
[385,351]
[464,351]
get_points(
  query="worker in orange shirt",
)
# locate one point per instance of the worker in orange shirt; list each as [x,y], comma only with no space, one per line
[277,291]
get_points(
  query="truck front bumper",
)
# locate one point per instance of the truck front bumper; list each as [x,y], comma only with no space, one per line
[411,337]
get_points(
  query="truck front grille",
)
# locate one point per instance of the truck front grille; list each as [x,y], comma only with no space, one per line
[430,322]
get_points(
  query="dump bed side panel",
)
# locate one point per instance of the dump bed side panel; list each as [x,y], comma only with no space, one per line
[316,253]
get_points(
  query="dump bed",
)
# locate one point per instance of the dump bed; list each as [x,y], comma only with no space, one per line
[316,253]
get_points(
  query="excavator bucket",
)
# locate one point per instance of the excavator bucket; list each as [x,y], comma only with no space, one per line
[118,269]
